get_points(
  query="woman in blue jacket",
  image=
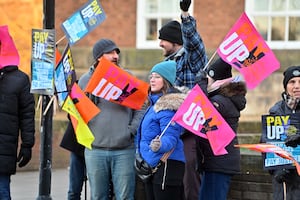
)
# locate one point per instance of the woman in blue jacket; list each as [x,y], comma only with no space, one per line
[164,100]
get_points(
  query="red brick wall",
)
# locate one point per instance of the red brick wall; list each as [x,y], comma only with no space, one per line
[214,20]
[119,24]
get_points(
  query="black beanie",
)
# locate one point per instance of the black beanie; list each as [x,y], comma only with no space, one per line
[289,73]
[171,32]
[104,46]
[219,70]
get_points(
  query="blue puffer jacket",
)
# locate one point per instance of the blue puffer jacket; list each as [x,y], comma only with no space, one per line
[158,115]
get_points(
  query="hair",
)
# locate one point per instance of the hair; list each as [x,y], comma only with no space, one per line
[166,87]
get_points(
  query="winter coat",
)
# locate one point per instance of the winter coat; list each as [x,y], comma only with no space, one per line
[191,57]
[158,115]
[290,176]
[115,126]
[229,101]
[280,108]
[17,114]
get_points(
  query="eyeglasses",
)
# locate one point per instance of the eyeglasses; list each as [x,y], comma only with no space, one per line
[154,76]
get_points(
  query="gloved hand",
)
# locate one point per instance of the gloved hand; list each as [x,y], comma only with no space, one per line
[201,80]
[282,175]
[24,156]
[184,5]
[155,144]
[292,140]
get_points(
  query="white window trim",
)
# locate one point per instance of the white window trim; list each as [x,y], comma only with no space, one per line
[141,26]
[274,44]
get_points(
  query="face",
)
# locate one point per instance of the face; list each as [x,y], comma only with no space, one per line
[112,56]
[168,47]
[156,82]
[293,87]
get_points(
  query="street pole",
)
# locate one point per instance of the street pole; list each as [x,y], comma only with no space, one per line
[46,120]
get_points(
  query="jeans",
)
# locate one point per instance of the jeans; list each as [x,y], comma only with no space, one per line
[214,186]
[77,176]
[5,187]
[102,165]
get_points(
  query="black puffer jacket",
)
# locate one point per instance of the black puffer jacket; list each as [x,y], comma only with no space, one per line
[17,116]
[229,101]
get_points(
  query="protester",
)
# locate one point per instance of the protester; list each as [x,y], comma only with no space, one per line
[17,113]
[229,99]
[286,182]
[153,141]
[114,129]
[183,44]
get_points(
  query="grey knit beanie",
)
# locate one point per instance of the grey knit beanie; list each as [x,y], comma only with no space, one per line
[104,46]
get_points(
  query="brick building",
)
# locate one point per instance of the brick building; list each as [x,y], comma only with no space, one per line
[133,25]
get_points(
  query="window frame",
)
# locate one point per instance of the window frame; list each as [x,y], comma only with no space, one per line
[282,44]
[141,42]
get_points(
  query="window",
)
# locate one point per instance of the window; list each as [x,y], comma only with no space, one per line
[151,15]
[278,21]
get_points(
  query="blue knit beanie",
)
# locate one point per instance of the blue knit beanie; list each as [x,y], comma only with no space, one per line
[167,69]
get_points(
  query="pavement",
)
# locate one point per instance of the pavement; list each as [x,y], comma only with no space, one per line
[25,185]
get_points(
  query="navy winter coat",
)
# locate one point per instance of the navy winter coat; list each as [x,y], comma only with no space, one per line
[228,101]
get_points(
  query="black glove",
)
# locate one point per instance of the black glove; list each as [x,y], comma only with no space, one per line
[292,140]
[201,80]
[184,5]
[24,156]
[282,175]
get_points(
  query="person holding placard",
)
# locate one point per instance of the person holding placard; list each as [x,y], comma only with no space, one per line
[158,134]
[228,98]
[112,155]
[285,181]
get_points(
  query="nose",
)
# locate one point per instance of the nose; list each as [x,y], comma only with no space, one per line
[160,43]
[115,55]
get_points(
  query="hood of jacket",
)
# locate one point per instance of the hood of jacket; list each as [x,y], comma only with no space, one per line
[172,100]
[236,91]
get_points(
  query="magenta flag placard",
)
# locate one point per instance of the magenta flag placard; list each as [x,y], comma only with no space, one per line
[199,116]
[8,52]
[245,49]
